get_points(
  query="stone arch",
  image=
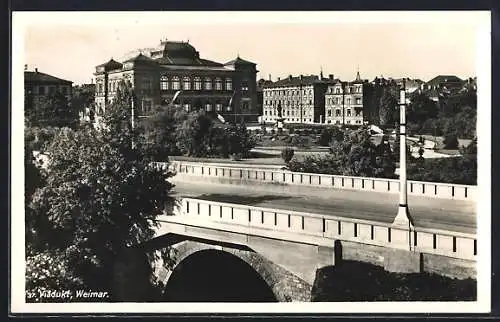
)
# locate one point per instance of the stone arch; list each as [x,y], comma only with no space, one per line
[281,283]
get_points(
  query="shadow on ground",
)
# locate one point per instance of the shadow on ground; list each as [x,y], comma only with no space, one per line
[359,282]
[238,199]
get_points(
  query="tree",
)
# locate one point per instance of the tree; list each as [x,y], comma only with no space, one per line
[192,135]
[287,154]
[82,100]
[450,141]
[53,110]
[330,133]
[159,131]
[387,106]
[100,198]
[421,109]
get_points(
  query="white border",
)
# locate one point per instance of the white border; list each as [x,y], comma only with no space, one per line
[20,20]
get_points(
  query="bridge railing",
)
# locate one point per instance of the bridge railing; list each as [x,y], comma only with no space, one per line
[431,241]
[247,174]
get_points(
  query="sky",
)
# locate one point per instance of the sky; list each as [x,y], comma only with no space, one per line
[417,45]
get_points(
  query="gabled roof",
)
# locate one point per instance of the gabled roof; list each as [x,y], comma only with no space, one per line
[140,58]
[239,61]
[111,64]
[440,79]
[37,77]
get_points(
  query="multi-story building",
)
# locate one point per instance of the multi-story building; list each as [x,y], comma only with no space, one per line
[299,99]
[346,103]
[228,89]
[38,86]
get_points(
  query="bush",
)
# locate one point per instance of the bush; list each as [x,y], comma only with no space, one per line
[287,154]
[451,141]
[301,141]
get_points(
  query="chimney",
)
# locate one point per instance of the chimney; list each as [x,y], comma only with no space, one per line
[290,77]
[36,70]
[330,76]
[25,67]
[279,79]
[270,78]
[301,77]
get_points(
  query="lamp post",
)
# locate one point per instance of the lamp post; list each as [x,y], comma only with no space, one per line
[403,217]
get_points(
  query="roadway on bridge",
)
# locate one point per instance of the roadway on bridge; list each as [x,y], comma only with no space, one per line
[454,215]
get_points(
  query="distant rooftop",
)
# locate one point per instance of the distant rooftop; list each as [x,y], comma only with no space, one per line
[39,77]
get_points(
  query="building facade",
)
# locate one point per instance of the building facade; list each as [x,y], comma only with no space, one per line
[156,76]
[38,86]
[296,99]
[346,103]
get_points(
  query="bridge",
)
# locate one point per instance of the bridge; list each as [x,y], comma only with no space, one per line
[285,231]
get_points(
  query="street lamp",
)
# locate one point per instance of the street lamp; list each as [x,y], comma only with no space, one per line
[403,217]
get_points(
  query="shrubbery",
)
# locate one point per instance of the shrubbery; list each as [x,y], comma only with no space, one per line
[287,154]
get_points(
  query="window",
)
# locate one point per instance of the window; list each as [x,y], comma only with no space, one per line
[244,85]
[348,101]
[197,83]
[176,83]
[229,84]
[146,84]
[310,102]
[337,112]
[337,90]
[358,89]
[163,83]
[208,107]
[329,112]
[146,106]
[358,112]
[186,83]
[265,112]
[218,84]
[52,90]
[187,107]
[358,101]
[41,90]
[348,122]
[218,107]
[208,84]
[348,112]
[245,106]
[337,122]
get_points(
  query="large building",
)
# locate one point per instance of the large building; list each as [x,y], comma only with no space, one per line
[38,86]
[156,75]
[299,99]
[346,103]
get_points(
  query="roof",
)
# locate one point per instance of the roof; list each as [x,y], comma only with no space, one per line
[239,61]
[140,58]
[296,81]
[440,79]
[38,77]
[111,64]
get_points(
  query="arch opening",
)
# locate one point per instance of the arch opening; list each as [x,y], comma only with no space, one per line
[216,276]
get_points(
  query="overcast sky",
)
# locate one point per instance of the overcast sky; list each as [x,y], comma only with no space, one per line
[417,45]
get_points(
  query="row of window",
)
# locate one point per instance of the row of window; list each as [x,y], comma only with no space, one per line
[174,83]
[348,112]
[49,90]
[338,101]
[346,122]
[147,106]
[288,92]
[287,103]
[271,119]
[338,90]
[288,113]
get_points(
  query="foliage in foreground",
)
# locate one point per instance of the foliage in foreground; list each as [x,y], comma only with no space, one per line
[99,197]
